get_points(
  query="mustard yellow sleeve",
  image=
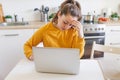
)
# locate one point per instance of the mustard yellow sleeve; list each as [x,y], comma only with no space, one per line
[79,43]
[36,38]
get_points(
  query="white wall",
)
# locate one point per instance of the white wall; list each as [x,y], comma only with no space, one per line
[24,8]
[99,5]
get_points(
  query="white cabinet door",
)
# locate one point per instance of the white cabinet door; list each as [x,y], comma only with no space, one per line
[9,54]
[11,48]
[112,36]
[25,34]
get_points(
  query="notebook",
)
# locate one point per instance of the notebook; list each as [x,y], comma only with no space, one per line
[56,60]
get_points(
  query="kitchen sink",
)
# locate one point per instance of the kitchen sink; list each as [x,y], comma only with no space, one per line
[13,23]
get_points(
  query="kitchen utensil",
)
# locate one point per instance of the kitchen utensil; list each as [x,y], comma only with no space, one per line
[46,12]
[88,18]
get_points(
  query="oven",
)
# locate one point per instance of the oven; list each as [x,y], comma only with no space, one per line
[93,32]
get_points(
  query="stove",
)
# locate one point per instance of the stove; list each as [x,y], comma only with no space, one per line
[93,32]
[94,28]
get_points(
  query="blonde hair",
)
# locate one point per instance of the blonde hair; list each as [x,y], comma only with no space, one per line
[69,7]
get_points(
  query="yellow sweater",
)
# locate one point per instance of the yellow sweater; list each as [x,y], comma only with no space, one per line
[51,36]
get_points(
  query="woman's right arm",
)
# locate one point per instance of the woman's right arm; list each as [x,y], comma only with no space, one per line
[33,41]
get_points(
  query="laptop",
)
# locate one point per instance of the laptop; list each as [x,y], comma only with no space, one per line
[56,60]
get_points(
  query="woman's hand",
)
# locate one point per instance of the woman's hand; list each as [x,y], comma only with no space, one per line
[77,25]
[31,58]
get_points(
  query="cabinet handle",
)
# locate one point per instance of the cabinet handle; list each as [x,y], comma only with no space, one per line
[10,34]
[114,43]
[115,30]
[94,37]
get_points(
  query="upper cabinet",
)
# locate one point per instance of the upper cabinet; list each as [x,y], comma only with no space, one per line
[112,36]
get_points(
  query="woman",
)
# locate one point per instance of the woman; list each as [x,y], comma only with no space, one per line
[64,31]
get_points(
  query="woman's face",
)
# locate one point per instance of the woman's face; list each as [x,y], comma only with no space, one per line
[65,21]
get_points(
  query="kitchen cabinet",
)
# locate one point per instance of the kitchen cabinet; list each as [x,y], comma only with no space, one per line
[11,48]
[25,34]
[112,36]
[35,30]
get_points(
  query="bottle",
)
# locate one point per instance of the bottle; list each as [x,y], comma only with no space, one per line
[95,18]
[16,18]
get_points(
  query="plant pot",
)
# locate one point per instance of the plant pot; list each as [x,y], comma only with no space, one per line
[8,20]
[115,19]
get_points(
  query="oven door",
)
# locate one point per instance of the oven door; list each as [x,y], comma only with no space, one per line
[88,46]
[97,39]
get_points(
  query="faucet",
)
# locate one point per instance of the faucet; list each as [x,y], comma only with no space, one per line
[43,13]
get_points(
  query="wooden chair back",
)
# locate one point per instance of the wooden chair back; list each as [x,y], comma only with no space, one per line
[103,48]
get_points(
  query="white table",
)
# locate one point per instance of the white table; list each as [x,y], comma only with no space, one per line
[25,70]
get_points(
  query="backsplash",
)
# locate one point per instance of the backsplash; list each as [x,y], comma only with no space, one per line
[25,8]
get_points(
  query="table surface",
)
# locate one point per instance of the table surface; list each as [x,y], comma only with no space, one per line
[25,70]
[110,65]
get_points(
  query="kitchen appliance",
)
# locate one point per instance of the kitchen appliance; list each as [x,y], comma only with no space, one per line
[106,12]
[93,32]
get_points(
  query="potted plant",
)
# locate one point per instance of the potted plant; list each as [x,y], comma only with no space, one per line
[115,16]
[51,16]
[8,18]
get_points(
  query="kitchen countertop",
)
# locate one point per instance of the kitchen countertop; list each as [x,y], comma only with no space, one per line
[112,23]
[31,25]
[37,24]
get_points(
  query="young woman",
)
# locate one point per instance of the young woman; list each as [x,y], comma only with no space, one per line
[64,31]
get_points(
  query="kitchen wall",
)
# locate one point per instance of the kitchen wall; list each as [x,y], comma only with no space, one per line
[24,8]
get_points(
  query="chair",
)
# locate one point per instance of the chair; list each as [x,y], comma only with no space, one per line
[103,48]
[110,63]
